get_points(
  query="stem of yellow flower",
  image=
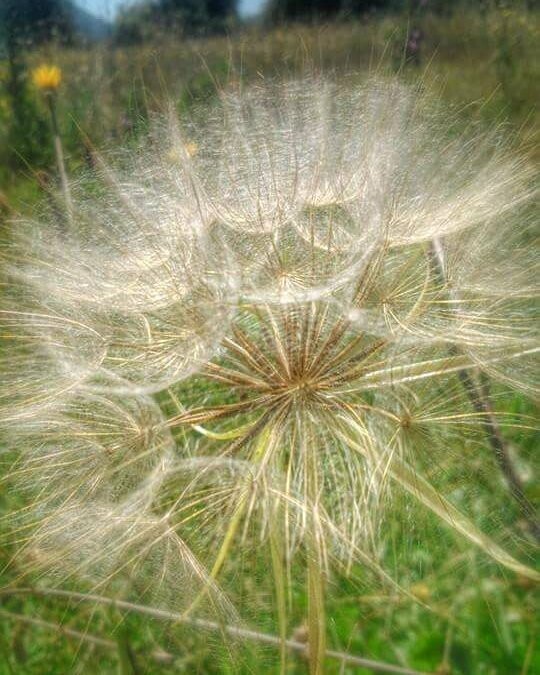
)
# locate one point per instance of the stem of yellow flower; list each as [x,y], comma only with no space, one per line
[59,152]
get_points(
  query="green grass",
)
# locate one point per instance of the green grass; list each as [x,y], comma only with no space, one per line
[472,617]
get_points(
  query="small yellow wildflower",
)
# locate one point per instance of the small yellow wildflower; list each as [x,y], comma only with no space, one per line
[47,78]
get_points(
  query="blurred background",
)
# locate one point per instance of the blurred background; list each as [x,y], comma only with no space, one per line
[76,75]
[121,60]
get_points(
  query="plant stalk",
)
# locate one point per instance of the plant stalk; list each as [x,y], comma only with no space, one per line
[59,153]
[481,402]
[233,631]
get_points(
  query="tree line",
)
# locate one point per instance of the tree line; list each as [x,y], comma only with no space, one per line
[38,20]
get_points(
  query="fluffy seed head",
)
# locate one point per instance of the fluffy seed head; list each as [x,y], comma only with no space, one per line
[300,280]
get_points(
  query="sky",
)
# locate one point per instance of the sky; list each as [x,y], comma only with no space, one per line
[108,8]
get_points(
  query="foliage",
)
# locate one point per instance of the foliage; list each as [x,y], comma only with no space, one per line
[27,138]
[294,10]
[285,10]
[24,23]
[30,21]
[187,17]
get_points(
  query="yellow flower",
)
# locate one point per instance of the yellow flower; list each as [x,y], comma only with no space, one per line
[47,78]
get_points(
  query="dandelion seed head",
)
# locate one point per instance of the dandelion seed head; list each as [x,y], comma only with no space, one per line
[255,325]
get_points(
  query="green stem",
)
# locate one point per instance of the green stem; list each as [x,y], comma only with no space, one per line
[315,575]
[59,152]
[235,632]
[481,402]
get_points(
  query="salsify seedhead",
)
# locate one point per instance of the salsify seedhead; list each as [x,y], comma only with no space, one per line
[254,326]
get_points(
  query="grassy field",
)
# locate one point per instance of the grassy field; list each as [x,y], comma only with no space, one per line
[463,614]
[487,64]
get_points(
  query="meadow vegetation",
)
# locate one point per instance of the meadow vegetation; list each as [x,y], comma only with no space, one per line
[486,63]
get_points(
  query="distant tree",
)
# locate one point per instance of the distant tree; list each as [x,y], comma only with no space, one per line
[282,10]
[190,17]
[134,24]
[35,20]
[198,16]
[299,10]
